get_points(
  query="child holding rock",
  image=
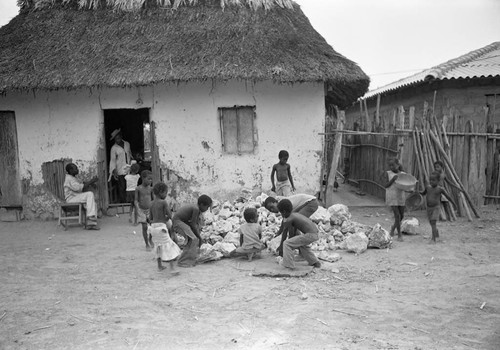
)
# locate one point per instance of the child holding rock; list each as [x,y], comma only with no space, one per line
[394,197]
[250,235]
[143,198]
[186,222]
[160,217]
[293,222]
[433,194]
[284,185]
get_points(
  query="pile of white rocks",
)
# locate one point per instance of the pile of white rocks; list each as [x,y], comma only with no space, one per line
[336,229]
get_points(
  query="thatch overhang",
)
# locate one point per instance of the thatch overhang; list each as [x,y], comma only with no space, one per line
[66,47]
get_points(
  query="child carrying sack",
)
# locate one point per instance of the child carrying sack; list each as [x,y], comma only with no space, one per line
[165,247]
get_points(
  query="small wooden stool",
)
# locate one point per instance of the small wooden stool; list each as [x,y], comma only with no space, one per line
[72,211]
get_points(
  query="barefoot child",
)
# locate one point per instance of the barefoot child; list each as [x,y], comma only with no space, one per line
[250,236]
[295,221]
[433,194]
[132,180]
[394,197]
[284,185]
[186,222]
[143,198]
[160,217]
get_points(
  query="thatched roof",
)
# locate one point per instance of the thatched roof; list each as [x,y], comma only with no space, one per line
[63,46]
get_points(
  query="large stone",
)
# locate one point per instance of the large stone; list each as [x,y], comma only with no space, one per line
[223,227]
[338,214]
[357,243]
[273,244]
[379,237]
[330,257]
[410,226]
[232,237]
[224,248]
[321,215]
[224,214]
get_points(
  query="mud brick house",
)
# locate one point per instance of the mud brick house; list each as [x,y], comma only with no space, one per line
[208,92]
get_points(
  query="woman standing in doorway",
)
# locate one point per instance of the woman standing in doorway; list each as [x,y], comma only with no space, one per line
[119,161]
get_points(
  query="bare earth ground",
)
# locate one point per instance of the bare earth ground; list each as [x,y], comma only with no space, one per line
[101,290]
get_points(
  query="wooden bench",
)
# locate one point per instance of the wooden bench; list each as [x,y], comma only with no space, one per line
[72,211]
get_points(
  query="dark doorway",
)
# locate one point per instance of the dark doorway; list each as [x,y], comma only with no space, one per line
[135,127]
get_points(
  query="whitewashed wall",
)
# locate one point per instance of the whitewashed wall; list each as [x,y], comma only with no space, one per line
[69,124]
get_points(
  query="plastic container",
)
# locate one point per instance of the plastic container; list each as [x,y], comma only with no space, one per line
[405,182]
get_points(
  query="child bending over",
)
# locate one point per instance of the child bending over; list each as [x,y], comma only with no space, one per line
[394,197]
[143,198]
[186,222]
[284,185]
[250,236]
[294,222]
[160,217]
[433,194]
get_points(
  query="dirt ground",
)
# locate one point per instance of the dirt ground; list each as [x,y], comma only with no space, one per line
[101,290]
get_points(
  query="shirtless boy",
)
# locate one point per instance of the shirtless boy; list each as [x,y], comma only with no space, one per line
[284,185]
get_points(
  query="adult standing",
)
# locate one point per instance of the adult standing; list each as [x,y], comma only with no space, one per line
[119,161]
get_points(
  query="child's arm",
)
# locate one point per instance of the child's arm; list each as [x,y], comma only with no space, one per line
[290,177]
[388,182]
[424,192]
[260,232]
[194,223]
[272,178]
[168,213]
[136,198]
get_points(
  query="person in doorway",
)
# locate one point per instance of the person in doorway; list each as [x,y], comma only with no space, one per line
[76,191]
[119,163]
[284,181]
[186,222]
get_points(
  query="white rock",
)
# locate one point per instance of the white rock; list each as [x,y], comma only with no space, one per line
[338,214]
[224,227]
[357,243]
[410,226]
[320,215]
[208,217]
[274,244]
[224,214]
[330,257]
[224,248]
[232,237]
[379,237]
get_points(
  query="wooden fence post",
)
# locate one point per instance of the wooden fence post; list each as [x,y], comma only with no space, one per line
[335,159]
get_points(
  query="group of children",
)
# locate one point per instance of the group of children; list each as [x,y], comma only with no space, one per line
[434,193]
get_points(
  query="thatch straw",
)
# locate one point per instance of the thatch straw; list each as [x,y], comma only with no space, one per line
[134,5]
[66,48]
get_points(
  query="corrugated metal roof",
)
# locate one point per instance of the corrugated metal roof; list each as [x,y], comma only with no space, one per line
[484,62]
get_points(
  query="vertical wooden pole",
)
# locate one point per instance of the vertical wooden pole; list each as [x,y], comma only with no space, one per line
[400,125]
[377,114]
[335,159]
[367,116]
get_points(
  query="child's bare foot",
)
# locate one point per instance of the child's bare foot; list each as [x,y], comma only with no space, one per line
[148,247]
[161,268]
[175,272]
[400,239]
[317,264]
[250,256]
[432,241]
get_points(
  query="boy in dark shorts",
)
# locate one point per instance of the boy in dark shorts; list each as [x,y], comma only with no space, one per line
[433,194]
[186,222]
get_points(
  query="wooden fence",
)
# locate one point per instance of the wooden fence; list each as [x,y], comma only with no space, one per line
[368,144]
